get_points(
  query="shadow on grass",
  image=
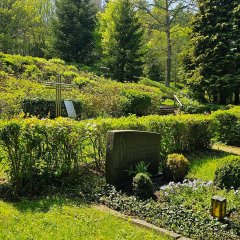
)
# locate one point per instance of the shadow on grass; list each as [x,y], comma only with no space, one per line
[77,189]
[46,204]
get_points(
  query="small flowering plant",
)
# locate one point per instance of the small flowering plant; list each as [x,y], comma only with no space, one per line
[197,195]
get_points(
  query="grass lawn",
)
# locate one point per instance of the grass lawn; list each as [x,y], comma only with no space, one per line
[61,219]
[230,149]
[204,164]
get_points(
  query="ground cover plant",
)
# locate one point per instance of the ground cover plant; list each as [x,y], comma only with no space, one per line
[181,207]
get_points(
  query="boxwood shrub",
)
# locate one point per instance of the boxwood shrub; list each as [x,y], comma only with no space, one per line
[136,102]
[44,108]
[226,126]
[228,174]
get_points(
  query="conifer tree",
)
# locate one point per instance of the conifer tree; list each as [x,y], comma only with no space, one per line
[122,40]
[74,30]
[213,65]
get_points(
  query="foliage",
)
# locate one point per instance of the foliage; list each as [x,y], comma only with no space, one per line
[24,77]
[43,108]
[25,26]
[227,125]
[167,24]
[176,167]
[73,30]
[213,60]
[228,174]
[141,167]
[142,185]
[136,103]
[51,218]
[193,106]
[48,149]
[183,208]
[148,82]
[122,40]
[39,152]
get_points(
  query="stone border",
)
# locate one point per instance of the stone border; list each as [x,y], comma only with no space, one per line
[141,223]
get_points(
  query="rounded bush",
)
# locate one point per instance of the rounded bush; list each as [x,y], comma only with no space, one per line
[176,167]
[142,185]
[228,174]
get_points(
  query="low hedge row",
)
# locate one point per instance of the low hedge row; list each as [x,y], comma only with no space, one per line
[226,126]
[44,108]
[41,150]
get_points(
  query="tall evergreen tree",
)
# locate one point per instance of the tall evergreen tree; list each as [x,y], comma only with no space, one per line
[122,40]
[236,34]
[213,63]
[74,30]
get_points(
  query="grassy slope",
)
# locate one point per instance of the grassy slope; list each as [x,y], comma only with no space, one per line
[59,219]
[22,77]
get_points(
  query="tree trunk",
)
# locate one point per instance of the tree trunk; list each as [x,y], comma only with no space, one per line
[223,98]
[215,99]
[169,47]
[237,97]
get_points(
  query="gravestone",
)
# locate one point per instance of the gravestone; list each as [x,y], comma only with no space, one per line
[127,148]
[70,109]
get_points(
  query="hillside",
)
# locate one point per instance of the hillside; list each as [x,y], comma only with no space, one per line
[25,77]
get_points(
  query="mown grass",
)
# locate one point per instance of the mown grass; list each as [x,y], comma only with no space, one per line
[229,149]
[58,218]
[204,164]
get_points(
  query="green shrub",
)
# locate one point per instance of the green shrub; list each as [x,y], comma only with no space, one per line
[55,147]
[41,151]
[142,185]
[176,167]
[81,81]
[228,174]
[227,128]
[136,102]
[43,108]
[194,107]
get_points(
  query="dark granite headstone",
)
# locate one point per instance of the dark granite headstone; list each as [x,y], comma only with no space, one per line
[127,148]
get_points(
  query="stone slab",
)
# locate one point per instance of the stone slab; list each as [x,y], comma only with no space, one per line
[70,109]
[127,148]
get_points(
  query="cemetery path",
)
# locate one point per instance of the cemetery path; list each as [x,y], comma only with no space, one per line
[225,148]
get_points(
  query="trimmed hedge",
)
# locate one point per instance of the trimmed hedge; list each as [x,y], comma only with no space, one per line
[228,174]
[226,126]
[136,102]
[43,108]
[41,150]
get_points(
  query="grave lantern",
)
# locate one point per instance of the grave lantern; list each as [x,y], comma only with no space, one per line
[218,207]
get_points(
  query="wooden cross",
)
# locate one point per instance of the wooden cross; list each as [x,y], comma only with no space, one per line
[59,86]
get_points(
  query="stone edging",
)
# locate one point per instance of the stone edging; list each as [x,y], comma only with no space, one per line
[143,224]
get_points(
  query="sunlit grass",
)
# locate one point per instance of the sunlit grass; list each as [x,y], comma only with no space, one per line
[230,149]
[204,164]
[60,219]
